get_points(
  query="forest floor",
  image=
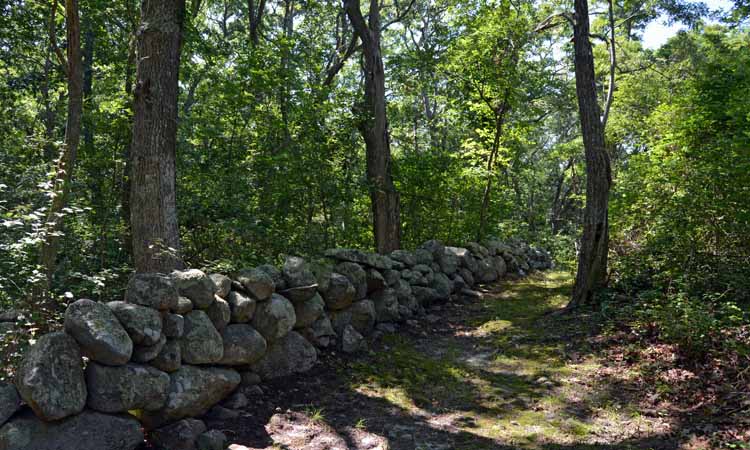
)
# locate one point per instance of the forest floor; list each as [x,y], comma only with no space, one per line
[498,372]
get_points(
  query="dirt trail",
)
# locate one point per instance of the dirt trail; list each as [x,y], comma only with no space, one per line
[490,373]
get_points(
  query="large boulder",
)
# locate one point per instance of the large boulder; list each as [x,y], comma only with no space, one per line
[361,315]
[125,388]
[258,283]
[201,343]
[89,430]
[143,324]
[448,262]
[220,313]
[181,435]
[193,391]
[169,358]
[386,306]
[275,274]
[308,312]
[291,354]
[223,284]
[478,250]
[195,285]
[422,256]
[274,318]
[321,332]
[50,378]
[435,247]
[242,345]
[10,402]
[356,276]
[183,306]
[339,292]
[242,307]
[97,330]
[485,272]
[154,290]
[375,281]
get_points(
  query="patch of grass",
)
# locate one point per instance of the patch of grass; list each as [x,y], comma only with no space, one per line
[315,414]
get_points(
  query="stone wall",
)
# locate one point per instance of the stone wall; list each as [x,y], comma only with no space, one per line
[176,345]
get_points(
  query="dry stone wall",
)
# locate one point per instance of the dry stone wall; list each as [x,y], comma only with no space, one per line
[178,344]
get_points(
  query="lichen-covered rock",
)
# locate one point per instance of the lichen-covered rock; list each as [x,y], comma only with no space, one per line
[361,315]
[125,388]
[50,378]
[478,250]
[351,340]
[405,257]
[274,318]
[340,292]
[89,430]
[242,307]
[182,306]
[10,402]
[486,272]
[467,275]
[275,274]
[201,343]
[193,391]
[154,290]
[442,285]
[169,358]
[223,284]
[373,260]
[96,329]
[356,276]
[173,325]
[146,353]
[308,312]
[435,247]
[296,273]
[300,294]
[422,256]
[220,313]
[375,280]
[195,285]
[181,435]
[292,354]
[499,264]
[386,306]
[424,295]
[391,277]
[448,262]
[242,345]
[258,283]
[143,324]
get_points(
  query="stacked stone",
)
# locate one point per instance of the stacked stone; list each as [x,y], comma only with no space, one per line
[179,344]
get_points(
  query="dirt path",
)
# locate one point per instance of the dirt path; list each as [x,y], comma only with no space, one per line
[489,373]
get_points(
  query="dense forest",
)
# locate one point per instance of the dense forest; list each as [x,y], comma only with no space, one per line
[148,136]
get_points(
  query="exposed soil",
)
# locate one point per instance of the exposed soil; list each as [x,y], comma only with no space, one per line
[497,372]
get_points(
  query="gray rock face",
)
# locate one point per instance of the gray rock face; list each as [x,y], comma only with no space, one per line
[201,343]
[448,263]
[340,292]
[212,440]
[242,345]
[274,318]
[10,402]
[356,276]
[125,388]
[435,247]
[50,378]
[386,306]
[98,332]
[499,264]
[169,358]
[258,283]
[192,391]
[89,430]
[361,315]
[405,257]
[173,325]
[373,260]
[292,354]
[242,307]
[181,435]
[154,290]
[391,277]
[143,324]
[423,256]
[223,284]
[477,250]
[195,285]
[486,272]
[308,312]
[375,281]
[442,285]
[424,295]
[219,313]
[300,294]
[146,353]
[183,306]
[467,275]
[321,332]
[275,274]
[296,273]
[351,340]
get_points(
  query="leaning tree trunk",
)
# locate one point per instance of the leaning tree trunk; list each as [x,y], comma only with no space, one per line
[592,259]
[374,129]
[153,210]
[67,161]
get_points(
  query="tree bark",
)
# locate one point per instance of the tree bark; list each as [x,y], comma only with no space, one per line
[153,210]
[592,259]
[68,155]
[374,129]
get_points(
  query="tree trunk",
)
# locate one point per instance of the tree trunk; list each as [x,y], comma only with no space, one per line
[153,210]
[374,129]
[67,161]
[592,259]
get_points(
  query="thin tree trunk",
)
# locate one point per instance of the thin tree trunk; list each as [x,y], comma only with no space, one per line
[127,235]
[153,210]
[592,260]
[67,161]
[374,129]
[499,120]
